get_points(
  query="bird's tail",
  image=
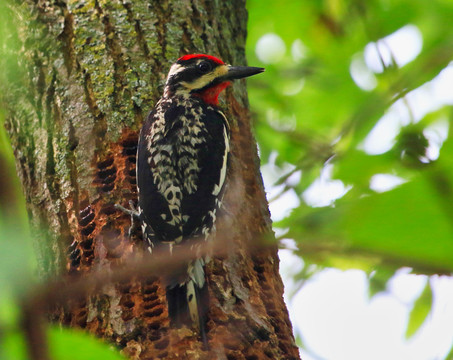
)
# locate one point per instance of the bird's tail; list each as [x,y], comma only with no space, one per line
[188,302]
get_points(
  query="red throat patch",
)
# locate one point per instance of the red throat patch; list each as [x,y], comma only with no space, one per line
[211,95]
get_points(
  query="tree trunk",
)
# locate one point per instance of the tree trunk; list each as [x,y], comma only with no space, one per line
[86,76]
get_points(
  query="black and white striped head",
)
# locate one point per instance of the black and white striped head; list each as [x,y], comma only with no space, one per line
[204,76]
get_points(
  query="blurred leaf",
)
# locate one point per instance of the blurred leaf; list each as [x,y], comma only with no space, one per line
[356,168]
[69,344]
[65,344]
[389,228]
[420,311]
[9,312]
[16,260]
[13,346]
[365,230]
[377,281]
[450,354]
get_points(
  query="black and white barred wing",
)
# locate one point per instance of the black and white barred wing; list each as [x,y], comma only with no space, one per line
[158,183]
[199,206]
[181,172]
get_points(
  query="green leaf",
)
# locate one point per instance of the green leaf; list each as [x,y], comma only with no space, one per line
[420,311]
[391,228]
[397,225]
[378,280]
[356,168]
[13,347]
[64,344]
[69,344]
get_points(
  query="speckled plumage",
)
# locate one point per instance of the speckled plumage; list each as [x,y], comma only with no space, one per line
[181,170]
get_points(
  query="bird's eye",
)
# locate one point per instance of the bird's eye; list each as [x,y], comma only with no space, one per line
[204,67]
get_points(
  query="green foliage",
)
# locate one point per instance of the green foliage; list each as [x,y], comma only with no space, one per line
[311,113]
[64,344]
[420,310]
[82,345]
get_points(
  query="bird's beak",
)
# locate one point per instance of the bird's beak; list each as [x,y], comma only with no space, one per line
[239,72]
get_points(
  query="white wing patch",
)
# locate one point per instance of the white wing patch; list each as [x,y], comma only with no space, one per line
[218,187]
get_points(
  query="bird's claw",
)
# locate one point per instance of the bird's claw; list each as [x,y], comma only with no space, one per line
[133,213]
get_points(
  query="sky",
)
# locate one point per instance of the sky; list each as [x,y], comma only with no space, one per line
[333,313]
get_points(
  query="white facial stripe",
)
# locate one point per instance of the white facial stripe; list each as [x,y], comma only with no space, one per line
[175,68]
[204,80]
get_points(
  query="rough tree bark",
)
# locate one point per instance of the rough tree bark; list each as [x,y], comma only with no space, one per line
[87,74]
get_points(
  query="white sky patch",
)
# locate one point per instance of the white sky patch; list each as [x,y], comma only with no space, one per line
[441,86]
[271,172]
[414,107]
[382,137]
[402,46]
[324,191]
[294,178]
[279,232]
[280,204]
[339,322]
[270,48]
[406,287]
[436,133]
[385,182]
[432,95]
[290,264]
[361,74]
[419,101]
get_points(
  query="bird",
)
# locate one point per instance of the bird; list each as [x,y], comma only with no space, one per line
[182,161]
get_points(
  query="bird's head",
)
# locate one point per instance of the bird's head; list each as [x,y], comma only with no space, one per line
[204,76]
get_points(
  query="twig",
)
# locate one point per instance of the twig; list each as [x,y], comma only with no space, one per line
[35,332]
[60,291]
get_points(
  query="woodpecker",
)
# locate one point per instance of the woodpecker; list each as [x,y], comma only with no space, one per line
[182,161]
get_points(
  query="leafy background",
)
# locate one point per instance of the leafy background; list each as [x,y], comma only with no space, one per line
[356,153]
[327,120]
[352,120]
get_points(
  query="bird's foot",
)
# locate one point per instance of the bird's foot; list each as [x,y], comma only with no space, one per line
[134,214]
